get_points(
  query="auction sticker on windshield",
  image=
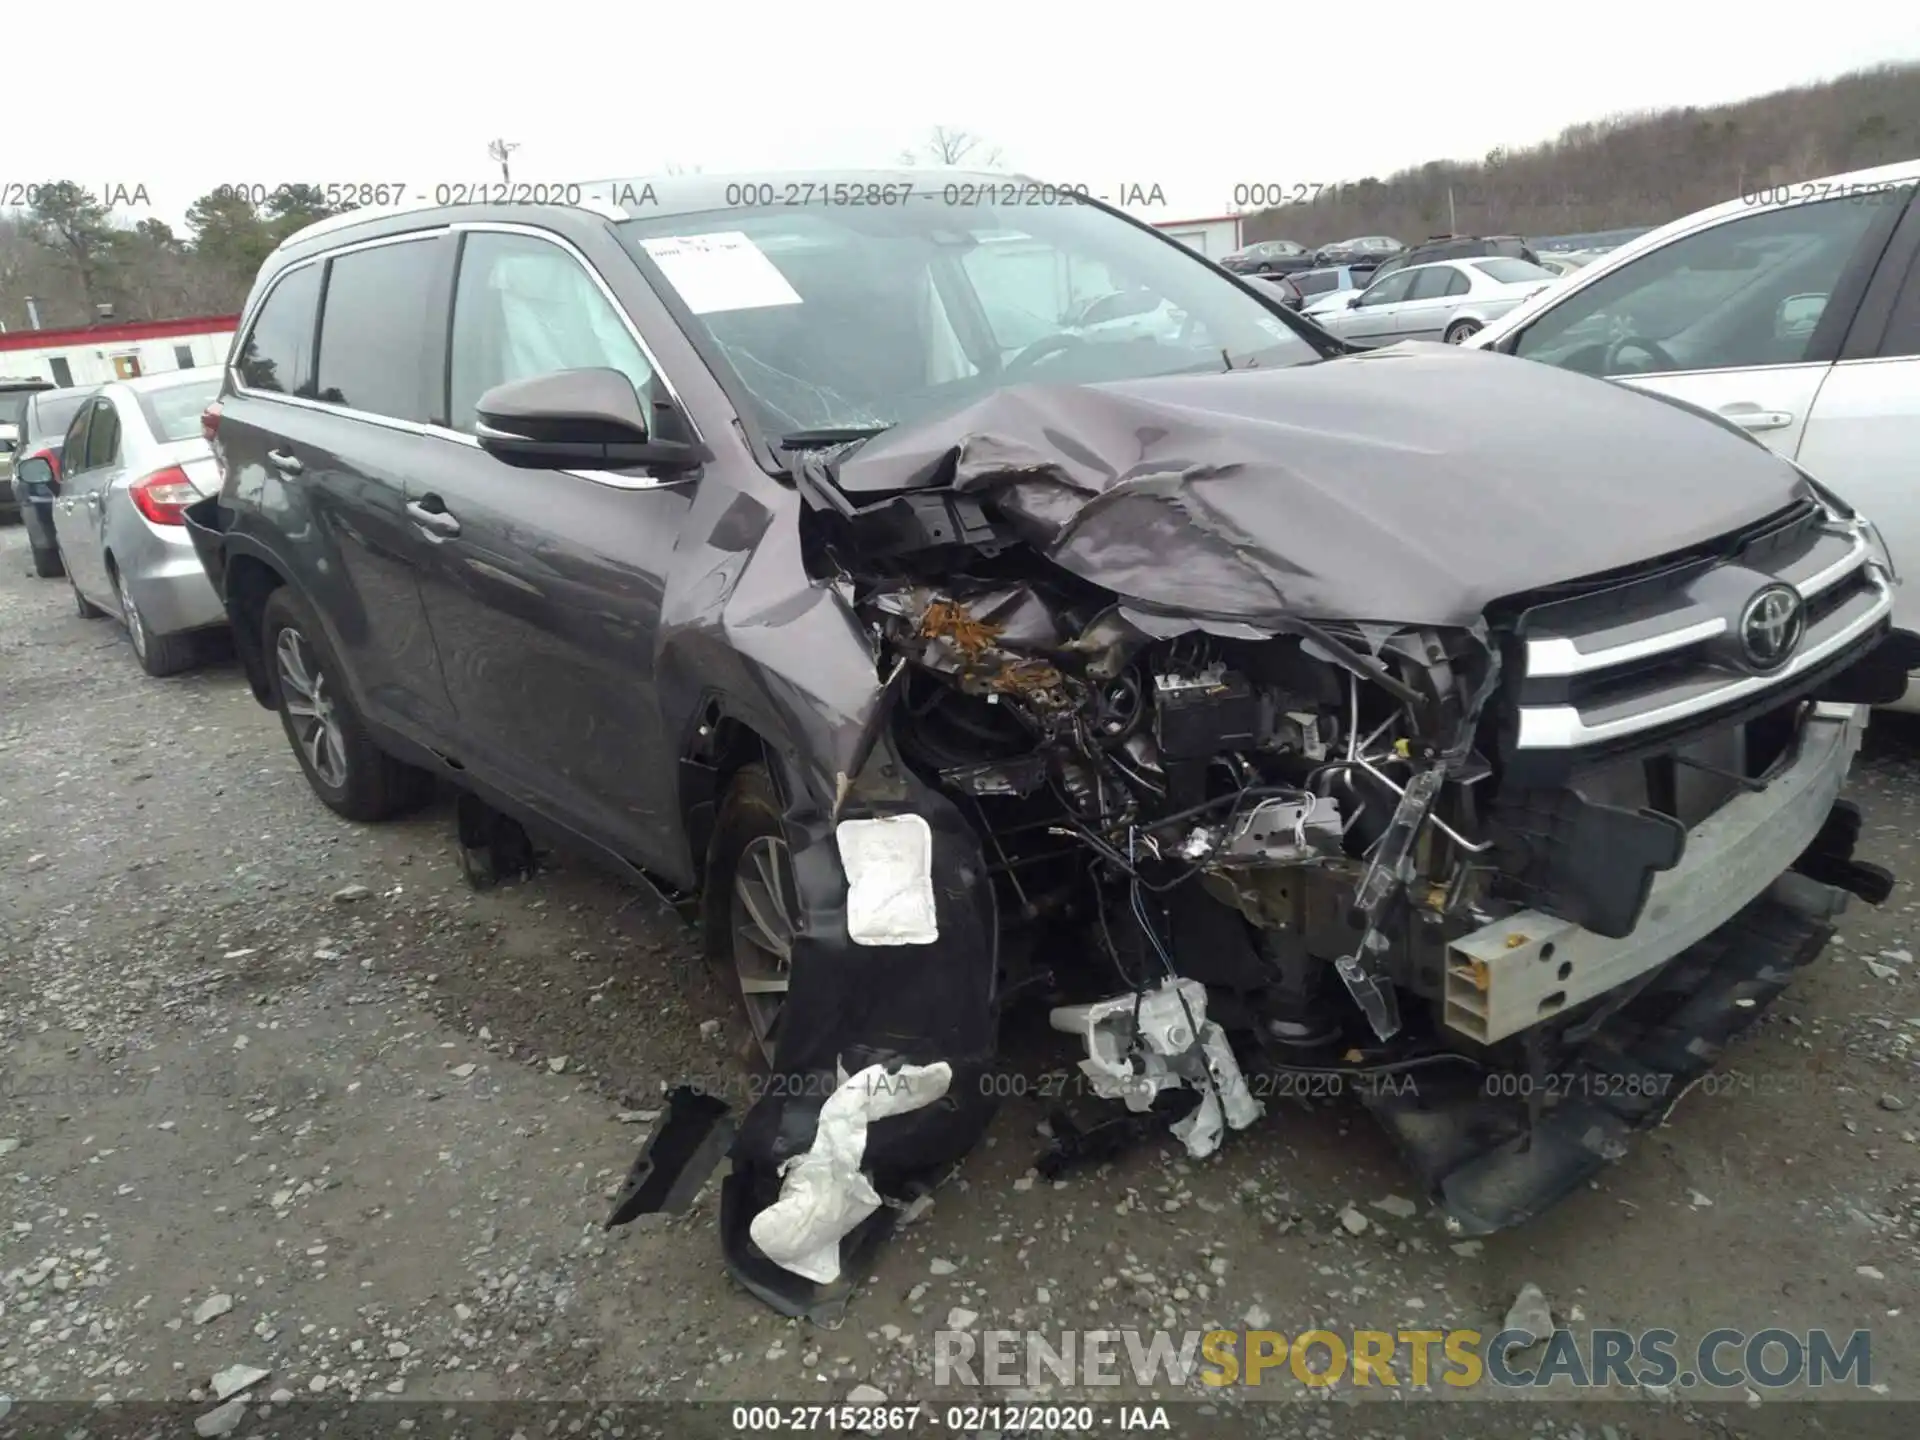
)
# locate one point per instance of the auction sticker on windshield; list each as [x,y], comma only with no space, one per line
[721,271]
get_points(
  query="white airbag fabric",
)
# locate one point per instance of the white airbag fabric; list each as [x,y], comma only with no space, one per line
[889,865]
[824,1193]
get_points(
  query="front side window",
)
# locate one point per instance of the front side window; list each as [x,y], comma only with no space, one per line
[1392,290]
[523,307]
[278,353]
[372,323]
[871,316]
[1733,296]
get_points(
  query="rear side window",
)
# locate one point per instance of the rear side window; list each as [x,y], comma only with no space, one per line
[372,325]
[278,352]
[1437,282]
[73,449]
[103,440]
[525,307]
[1315,282]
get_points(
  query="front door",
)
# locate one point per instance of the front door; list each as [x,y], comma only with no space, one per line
[1375,317]
[544,587]
[86,473]
[1733,317]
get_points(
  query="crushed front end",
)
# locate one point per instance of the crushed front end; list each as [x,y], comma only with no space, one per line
[1513,869]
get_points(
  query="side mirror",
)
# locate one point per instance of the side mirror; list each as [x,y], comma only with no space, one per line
[1354,299]
[1797,316]
[571,419]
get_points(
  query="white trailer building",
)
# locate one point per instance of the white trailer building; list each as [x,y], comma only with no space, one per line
[116,349]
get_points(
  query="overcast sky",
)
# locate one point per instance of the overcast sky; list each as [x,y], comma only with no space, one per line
[1194,98]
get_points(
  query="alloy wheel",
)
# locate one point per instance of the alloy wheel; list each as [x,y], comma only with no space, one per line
[310,704]
[136,629]
[762,918]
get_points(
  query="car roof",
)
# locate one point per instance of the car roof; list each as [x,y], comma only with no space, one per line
[666,195]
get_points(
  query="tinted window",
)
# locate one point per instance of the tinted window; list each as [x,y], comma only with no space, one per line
[174,413]
[1711,300]
[372,325]
[525,307]
[1903,327]
[1316,282]
[103,440]
[1434,282]
[1511,272]
[279,349]
[73,448]
[1390,290]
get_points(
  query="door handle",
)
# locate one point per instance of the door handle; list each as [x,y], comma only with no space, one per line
[286,462]
[439,522]
[1756,419]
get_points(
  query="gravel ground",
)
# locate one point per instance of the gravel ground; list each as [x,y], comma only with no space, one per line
[282,1092]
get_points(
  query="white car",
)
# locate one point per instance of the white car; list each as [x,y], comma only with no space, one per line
[1793,313]
[1441,300]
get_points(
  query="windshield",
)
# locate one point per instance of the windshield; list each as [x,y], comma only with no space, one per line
[863,317]
[1511,272]
[174,413]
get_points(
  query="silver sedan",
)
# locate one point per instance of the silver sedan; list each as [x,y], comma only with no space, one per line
[134,459]
[1443,300]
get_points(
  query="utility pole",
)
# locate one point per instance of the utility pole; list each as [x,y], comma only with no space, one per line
[1453,224]
[500,150]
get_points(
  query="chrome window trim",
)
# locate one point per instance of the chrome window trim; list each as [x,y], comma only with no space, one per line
[441,432]
[1561,727]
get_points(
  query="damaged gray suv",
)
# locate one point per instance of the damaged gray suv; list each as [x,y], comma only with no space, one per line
[1463,733]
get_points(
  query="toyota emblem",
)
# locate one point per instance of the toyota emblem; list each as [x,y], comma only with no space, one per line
[1771,626]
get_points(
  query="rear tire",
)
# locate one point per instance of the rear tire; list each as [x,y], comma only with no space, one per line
[352,775]
[46,564]
[1461,329]
[159,655]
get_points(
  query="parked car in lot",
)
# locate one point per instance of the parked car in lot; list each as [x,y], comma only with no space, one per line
[15,391]
[1268,257]
[1363,251]
[133,459]
[1446,300]
[1796,319]
[1326,282]
[1122,315]
[36,472]
[1244,698]
[1457,247]
[1284,287]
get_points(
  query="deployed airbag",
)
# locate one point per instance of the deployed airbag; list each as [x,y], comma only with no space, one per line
[824,1194]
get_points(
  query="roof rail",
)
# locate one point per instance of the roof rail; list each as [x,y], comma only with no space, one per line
[346,218]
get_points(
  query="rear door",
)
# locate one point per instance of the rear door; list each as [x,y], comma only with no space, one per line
[1437,292]
[325,422]
[1743,316]
[1863,437]
[83,492]
[544,587]
[67,525]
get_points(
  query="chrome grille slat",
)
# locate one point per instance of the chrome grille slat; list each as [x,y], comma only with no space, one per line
[1664,660]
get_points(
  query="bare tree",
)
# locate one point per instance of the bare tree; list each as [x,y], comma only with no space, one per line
[946,145]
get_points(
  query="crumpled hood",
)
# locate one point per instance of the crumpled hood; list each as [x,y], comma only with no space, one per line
[1413,484]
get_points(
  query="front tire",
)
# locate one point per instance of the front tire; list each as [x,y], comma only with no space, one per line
[1460,330]
[352,775]
[84,607]
[159,655]
[750,908]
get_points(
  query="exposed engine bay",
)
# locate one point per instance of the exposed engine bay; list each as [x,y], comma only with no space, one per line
[1480,868]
